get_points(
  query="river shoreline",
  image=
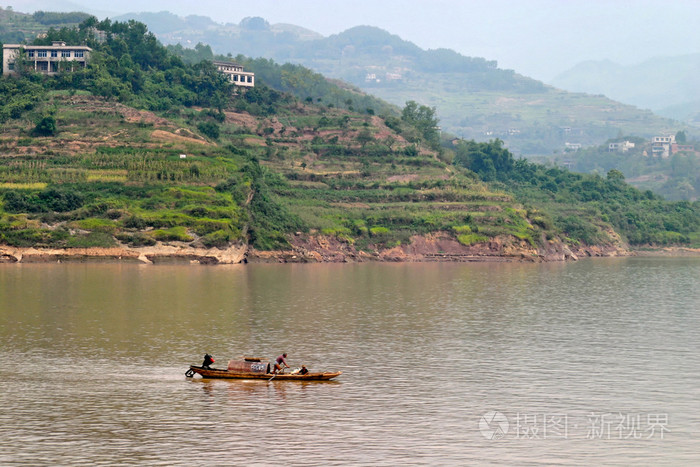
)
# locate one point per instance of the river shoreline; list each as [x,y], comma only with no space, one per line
[436,247]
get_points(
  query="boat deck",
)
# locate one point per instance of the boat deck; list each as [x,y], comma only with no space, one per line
[218,373]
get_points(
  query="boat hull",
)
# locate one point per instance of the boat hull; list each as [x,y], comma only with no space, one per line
[228,374]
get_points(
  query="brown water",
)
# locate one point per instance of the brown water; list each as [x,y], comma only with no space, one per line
[573,356]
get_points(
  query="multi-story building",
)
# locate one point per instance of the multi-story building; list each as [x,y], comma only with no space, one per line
[46,59]
[236,74]
[661,146]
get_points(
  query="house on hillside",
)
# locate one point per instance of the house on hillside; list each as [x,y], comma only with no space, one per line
[236,74]
[675,148]
[45,58]
[661,146]
[621,146]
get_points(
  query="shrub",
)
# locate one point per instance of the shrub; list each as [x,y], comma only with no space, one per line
[96,225]
[411,151]
[91,240]
[375,231]
[173,234]
[582,230]
[337,232]
[136,239]
[209,129]
[135,222]
[46,126]
[218,239]
[61,200]
[51,199]
[207,226]
[462,229]
[471,238]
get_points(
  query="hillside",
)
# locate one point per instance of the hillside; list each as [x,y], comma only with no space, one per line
[666,85]
[112,177]
[676,177]
[16,27]
[474,98]
[142,157]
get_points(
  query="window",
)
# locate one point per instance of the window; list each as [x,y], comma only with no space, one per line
[41,54]
[250,79]
[78,54]
[65,53]
[30,54]
[11,66]
[235,77]
[54,53]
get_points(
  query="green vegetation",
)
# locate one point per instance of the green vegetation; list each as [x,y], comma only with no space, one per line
[581,205]
[130,66]
[140,147]
[16,27]
[295,80]
[472,96]
[676,177]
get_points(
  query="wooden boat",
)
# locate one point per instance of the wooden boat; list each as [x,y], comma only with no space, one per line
[255,368]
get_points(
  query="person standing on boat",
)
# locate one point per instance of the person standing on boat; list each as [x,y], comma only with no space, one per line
[279,361]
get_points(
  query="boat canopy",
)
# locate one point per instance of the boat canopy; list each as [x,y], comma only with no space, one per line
[248,365]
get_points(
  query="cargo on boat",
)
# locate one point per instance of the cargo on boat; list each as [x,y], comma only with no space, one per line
[256,368]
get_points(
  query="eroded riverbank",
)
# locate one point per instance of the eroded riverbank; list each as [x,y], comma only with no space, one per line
[435,247]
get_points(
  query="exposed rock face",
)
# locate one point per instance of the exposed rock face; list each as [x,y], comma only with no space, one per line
[439,246]
[147,255]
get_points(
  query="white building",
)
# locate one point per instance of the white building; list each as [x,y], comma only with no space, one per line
[622,146]
[45,59]
[661,146]
[236,74]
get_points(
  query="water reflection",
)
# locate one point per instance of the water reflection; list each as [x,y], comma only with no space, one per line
[426,351]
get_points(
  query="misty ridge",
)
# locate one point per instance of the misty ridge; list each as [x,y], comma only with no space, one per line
[665,85]
[604,103]
[474,97]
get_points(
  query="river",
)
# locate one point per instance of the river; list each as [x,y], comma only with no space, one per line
[595,362]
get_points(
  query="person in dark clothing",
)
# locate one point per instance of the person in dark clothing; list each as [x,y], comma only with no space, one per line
[208,360]
[303,370]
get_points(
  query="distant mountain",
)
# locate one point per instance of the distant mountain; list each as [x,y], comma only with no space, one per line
[16,27]
[668,86]
[473,97]
[260,38]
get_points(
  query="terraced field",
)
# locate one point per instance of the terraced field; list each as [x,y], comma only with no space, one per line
[127,177]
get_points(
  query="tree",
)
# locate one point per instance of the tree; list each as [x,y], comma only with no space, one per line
[424,120]
[681,137]
[364,137]
[209,129]
[615,175]
[490,160]
[46,126]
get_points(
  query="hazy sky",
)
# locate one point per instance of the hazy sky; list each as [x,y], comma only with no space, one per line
[537,38]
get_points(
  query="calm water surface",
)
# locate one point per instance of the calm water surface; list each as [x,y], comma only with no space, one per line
[588,363]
